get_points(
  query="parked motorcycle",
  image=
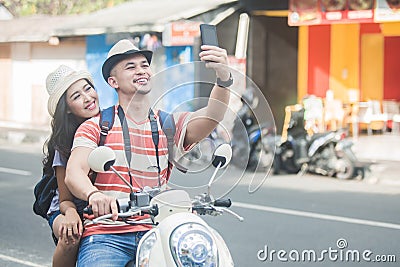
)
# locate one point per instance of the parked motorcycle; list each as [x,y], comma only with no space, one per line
[179,236]
[253,144]
[328,153]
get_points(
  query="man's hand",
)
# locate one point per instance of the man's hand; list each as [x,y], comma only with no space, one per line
[102,204]
[219,60]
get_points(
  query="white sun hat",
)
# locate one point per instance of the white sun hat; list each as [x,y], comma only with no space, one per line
[59,81]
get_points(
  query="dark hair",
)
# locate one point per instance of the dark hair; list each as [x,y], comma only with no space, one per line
[63,127]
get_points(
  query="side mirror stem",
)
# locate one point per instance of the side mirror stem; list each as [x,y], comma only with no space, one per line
[122,178]
[213,177]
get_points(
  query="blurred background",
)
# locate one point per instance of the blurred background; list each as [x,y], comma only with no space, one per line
[345,53]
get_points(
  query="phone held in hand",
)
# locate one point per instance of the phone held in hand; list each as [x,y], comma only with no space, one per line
[208,34]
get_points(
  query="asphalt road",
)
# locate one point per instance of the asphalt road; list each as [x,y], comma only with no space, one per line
[289,220]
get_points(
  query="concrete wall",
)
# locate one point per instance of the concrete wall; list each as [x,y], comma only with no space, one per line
[272,62]
[24,68]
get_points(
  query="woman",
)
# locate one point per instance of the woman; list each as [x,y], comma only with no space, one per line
[72,100]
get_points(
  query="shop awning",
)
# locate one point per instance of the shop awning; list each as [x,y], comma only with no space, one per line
[144,16]
[132,16]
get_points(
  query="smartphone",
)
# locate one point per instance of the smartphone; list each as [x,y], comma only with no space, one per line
[208,34]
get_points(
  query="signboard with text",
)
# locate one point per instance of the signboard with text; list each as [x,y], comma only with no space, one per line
[180,33]
[316,12]
[387,10]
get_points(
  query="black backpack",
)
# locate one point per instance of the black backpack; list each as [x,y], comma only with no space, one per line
[45,189]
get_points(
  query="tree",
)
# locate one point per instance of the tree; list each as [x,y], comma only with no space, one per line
[56,7]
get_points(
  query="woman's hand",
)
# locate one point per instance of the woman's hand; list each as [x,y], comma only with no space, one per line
[71,228]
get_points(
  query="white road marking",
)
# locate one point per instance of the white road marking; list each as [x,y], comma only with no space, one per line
[14,171]
[27,263]
[316,215]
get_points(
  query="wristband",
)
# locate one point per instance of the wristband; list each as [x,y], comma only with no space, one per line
[91,193]
[225,84]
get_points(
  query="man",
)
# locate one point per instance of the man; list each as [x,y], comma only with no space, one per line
[127,69]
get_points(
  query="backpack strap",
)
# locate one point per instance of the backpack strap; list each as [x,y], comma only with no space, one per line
[168,126]
[106,123]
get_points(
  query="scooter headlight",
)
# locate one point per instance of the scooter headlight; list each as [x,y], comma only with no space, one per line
[145,249]
[192,245]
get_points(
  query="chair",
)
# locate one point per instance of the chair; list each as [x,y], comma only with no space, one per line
[391,108]
[370,114]
[334,114]
[396,124]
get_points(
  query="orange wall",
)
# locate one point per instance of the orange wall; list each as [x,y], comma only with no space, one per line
[344,63]
[340,57]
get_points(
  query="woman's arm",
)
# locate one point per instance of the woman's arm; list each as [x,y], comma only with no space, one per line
[66,197]
[72,224]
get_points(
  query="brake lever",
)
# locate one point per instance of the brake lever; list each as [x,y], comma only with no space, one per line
[234,214]
[120,215]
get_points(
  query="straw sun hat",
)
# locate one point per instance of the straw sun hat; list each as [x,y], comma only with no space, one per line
[120,51]
[59,81]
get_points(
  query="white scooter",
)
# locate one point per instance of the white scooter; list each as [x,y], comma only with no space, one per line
[179,237]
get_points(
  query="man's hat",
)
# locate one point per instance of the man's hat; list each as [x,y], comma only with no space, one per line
[120,51]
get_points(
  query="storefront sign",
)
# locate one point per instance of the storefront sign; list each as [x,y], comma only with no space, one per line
[387,10]
[180,33]
[316,12]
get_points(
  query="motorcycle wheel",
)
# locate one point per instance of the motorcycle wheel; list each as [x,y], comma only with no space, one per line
[345,168]
[288,163]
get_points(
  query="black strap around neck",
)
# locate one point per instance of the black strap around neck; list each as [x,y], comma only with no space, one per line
[127,139]
[155,136]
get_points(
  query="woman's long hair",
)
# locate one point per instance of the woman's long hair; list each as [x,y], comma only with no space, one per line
[63,127]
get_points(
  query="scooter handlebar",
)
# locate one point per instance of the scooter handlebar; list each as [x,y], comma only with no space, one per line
[223,203]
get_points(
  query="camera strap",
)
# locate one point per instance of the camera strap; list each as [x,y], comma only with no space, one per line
[127,139]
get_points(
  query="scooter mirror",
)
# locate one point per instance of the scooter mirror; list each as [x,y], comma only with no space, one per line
[101,159]
[222,155]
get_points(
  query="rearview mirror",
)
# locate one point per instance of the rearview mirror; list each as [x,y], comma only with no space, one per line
[222,156]
[101,159]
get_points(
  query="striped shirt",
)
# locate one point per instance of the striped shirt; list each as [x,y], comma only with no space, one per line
[143,165]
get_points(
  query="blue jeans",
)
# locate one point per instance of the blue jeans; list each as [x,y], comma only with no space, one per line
[108,250]
[50,220]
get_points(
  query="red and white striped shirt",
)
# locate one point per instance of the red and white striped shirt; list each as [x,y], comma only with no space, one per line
[143,166]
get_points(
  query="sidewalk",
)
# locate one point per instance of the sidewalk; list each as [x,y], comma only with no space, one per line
[384,151]
[378,147]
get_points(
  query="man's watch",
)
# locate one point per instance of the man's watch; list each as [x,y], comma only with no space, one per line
[225,84]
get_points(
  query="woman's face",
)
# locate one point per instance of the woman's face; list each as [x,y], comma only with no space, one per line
[82,99]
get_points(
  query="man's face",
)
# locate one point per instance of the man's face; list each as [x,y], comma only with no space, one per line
[131,75]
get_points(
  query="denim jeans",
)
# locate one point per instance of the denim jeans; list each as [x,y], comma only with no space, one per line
[108,250]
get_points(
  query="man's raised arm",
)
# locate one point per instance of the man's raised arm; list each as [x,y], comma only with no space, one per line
[203,122]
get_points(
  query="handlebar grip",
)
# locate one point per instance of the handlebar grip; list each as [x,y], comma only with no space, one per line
[88,210]
[223,203]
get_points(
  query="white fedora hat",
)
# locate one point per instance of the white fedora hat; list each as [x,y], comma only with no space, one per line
[120,51]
